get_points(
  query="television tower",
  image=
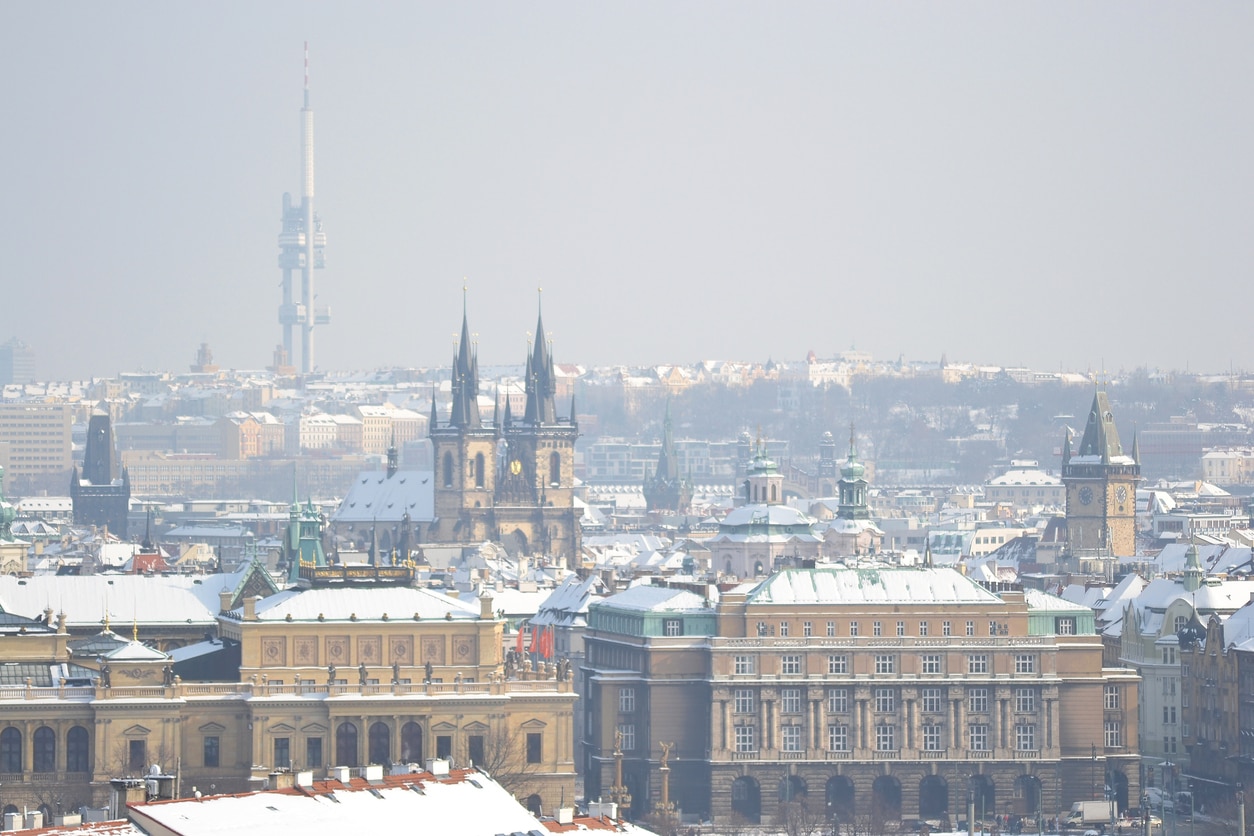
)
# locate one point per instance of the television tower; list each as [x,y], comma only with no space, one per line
[301,244]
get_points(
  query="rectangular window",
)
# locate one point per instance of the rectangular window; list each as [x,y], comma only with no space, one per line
[444,746]
[838,663]
[932,702]
[977,700]
[1114,734]
[885,663]
[876,629]
[838,738]
[626,700]
[807,629]
[673,626]
[932,737]
[992,628]
[931,663]
[1025,737]
[475,749]
[978,736]
[970,628]
[744,701]
[923,628]
[136,755]
[213,751]
[744,664]
[1025,700]
[946,629]
[790,665]
[831,629]
[282,753]
[853,628]
[1064,626]
[838,700]
[790,701]
[1111,693]
[627,737]
[313,753]
[885,738]
[977,663]
[535,748]
[783,628]
[744,739]
[885,700]
[790,737]
[901,628]
[1025,663]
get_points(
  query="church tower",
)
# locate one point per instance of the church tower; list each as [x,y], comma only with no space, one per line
[535,488]
[666,489]
[853,486]
[464,451]
[1101,481]
[764,484]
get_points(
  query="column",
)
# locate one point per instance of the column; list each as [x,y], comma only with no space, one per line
[762,720]
[725,721]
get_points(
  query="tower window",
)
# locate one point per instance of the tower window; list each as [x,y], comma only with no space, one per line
[448,470]
[479,470]
[555,469]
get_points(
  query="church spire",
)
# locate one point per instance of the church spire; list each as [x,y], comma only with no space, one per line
[541,382]
[465,378]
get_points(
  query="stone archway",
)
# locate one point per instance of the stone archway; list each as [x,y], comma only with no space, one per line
[747,799]
[984,795]
[1028,796]
[791,788]
[886,799]
[933,798]
[840,799]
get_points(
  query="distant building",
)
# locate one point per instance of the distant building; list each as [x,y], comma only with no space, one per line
[667,489]
[1101,481]
[37,437]
[1025,486]
[99,498]
[17,363]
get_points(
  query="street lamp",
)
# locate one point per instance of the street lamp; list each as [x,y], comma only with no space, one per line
[1093,776]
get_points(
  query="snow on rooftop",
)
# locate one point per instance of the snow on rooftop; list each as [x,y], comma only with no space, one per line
[880,585]
[367,603]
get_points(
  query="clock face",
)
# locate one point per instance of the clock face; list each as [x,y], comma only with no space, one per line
[1086,495]
[1121,494]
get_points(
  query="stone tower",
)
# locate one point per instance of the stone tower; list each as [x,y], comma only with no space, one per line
[1101,481]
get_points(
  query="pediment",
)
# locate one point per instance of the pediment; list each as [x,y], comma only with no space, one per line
[212,728]
[282,727]
[136,731]
[314,727]
[476,726]
[534,724]
[445,726]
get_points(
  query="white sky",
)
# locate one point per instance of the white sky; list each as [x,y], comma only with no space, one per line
[1056,184]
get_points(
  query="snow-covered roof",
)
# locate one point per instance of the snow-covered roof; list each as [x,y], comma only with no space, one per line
[766,515]
[375,496]
[910,585]
[655,599]
[1038,600]
[363,603]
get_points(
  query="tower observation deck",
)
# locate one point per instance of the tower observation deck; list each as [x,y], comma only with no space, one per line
[301,244]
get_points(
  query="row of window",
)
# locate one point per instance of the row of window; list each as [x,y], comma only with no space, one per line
[886,738]
[923,628]
[885,663]
[932,700]
[44,750]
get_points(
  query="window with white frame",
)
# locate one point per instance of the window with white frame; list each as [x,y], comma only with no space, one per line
[838,737]
[745,739]
[744,701]
[992,628]
[933,702]
[745,664]
[977,737]
[885,663]
[977,700]
[838,700]
[1025,663]
[853,628]
[901,628]
[838,663]
[932,735]
[885,738]
[790,737]
[970,628]
[885,700]
[1111,695]
[790,700]
[946,629]
[931,663]
[626,700]
[783,628]
[831,629]
[1114,734]
[1025,737]
[807,629]
[1064,625]
[1169,715]
[876,629]
[790,665]
[1025,700]
[977,663]
[628,732]
[923,628]
[673,626]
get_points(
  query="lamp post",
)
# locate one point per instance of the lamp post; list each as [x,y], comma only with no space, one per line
[1093,776]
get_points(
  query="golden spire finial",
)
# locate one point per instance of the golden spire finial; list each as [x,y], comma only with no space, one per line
[106,619]
[134,630]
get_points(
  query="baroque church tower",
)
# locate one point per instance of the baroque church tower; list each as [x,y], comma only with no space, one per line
[510,481]
[1101,485]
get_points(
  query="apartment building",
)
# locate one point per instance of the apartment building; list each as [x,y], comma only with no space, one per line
[37,438]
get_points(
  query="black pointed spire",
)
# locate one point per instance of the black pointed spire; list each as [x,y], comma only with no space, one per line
[541,381]
[465,379]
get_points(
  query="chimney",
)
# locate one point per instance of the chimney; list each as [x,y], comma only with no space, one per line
[304,779]
[341,773]
[565,815]
[281,779]
[372,773]
[250,608]
[437,766]
[224,601]
[485,606]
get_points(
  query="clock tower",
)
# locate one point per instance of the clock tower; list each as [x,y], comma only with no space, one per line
[1101,485]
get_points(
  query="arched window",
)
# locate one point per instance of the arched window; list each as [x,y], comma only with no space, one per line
[10,750]
[555,469]
[346,744]
[774,496]
[479,470]
[411,743]
[77,751]
[448,470]
[45,742]
[380,743]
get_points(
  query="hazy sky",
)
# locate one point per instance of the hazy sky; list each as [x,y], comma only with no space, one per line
[1053,184]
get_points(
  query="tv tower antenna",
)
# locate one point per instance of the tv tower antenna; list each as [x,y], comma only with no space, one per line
[301,244]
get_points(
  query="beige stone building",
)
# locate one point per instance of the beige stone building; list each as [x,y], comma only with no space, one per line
[876,694]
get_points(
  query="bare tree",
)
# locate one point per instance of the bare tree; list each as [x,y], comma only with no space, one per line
[505,759]
[798,819]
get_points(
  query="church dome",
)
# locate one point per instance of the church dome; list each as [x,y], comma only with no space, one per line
[853,469]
